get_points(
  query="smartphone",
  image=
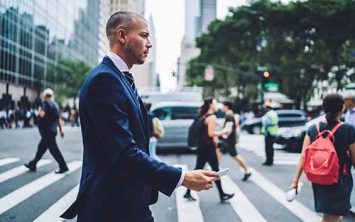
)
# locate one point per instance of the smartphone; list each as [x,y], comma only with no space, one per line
[223,172]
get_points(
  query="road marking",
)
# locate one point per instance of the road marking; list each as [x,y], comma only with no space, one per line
[20,170]
[240,203]
[188,211]
[21,194]
[6,161]
[53,213]
[278,194]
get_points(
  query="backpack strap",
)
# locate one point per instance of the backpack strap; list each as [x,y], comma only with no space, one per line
[336,127]
[318,128]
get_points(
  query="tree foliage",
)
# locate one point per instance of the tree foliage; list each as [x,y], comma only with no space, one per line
[300,43]
[67,76]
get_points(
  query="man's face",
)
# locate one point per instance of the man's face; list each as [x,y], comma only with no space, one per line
[138,43]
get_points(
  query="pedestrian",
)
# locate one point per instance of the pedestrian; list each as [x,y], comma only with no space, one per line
[153,139]
[3,122]
[48,121]
[119,179]
[270,122]
[206,148]
[350,108]
[332,200]
[228,141]
[16,114]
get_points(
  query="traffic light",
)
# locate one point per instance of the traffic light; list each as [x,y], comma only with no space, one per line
[266,76]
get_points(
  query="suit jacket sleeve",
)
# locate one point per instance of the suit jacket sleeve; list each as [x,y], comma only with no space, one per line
[106,105]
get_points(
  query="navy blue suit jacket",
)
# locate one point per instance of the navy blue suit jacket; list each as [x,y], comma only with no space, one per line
[119,179]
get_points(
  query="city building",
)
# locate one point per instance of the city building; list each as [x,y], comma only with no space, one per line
[198,15]
[34,35]
[137,6]
[145,74]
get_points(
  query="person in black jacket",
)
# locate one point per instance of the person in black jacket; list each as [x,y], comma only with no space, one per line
[48,121]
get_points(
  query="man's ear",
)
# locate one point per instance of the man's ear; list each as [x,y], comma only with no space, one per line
[121,36]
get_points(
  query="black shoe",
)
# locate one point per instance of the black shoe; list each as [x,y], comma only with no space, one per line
[267,164]
[61,171]
[189,197]
[31,167]
[225,197]
[246,176]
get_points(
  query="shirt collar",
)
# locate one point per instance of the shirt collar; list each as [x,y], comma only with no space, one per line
[118,61]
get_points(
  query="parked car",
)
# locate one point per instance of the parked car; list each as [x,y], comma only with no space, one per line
[287,117]
[291,138]
[177,117]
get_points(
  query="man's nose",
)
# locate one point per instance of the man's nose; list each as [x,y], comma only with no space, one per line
[149,44]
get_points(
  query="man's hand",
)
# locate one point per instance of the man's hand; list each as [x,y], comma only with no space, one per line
[62,132]
[199,179]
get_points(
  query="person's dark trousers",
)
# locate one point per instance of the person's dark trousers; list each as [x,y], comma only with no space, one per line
[49,141]
[269,148]
[211,158]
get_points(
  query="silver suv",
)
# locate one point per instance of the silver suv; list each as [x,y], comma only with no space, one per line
[176,118]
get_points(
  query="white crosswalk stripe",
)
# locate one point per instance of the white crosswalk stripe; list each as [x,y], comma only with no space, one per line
[21,194]
[6,161]
[188,211]
[248,212]
[53,213]
[20,170]
[278,194]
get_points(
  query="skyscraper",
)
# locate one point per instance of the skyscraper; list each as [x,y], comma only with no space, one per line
[137,6]
[34,35]
[198,15]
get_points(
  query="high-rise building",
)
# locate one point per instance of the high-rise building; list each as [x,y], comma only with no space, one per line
[137,6]
[145,74]
[208,13]
[198,15]
[34,35]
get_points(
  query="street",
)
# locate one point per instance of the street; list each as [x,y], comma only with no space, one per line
[43,195]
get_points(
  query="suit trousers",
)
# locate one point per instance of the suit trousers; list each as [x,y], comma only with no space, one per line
[48,141]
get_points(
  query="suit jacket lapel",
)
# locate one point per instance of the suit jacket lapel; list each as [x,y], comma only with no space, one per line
[130,90]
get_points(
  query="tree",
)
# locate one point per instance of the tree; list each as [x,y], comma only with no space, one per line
[67,77]
[300,43]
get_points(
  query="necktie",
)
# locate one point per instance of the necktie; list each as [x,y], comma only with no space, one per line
[130,79]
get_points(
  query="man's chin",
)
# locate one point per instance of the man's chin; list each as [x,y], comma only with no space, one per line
[140,62]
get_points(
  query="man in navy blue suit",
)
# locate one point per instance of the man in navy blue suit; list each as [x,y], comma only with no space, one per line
[119,179]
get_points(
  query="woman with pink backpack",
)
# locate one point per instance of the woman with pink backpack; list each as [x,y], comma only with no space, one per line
[327,156]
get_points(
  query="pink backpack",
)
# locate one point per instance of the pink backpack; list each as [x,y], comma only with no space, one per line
[321,162]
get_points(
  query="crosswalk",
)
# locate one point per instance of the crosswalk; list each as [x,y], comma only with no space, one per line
[280,157]
[242,205]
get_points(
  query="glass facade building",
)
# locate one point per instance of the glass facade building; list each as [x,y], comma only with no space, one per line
[36,34]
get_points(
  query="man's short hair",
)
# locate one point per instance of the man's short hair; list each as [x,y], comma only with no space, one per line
[118,20]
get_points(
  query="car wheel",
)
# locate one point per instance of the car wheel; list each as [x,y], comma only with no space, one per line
[256,130]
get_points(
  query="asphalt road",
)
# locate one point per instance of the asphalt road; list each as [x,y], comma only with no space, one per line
[42,196]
